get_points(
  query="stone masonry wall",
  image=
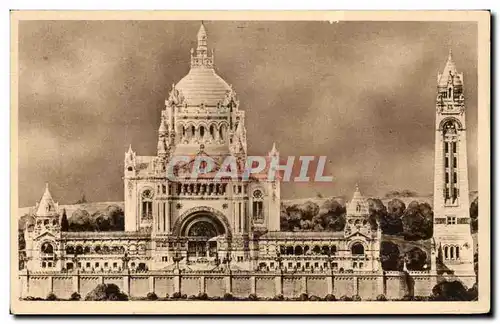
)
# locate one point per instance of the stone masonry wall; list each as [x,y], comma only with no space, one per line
[393,285]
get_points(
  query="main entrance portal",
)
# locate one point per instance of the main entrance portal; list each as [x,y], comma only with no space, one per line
[202,231]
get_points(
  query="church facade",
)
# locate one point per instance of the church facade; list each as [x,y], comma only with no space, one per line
[206,223]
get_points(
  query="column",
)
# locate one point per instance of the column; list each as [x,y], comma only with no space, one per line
[151,283]
[177,280]
[239,217]
[51,283]
[168,217]
[228,282]
[126,283]
[329,285]
[76,281]
[356,285]
[278,283]
[253,285]
[202,284]
[380,284]
[304,284]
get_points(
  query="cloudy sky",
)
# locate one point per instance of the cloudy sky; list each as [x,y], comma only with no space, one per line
[361,93]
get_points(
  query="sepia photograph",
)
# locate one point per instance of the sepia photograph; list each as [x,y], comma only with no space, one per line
[250,162]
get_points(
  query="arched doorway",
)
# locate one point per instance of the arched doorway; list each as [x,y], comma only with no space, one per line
[201,231]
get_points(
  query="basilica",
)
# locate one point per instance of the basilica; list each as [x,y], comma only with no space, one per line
[206,223]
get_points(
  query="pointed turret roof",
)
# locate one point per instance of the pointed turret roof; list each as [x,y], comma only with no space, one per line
[202,38]
[274,150]
[46,206]
[358,206]
[449,69]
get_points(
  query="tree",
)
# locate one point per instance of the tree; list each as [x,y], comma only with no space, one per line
[390,256]
[64,221]
[294,215]
[80,221]
[392,223]
[416,259]
[378,212]
[417,221]
[117,216]
[102,221]
[331,216]
[309,210]
[474,212]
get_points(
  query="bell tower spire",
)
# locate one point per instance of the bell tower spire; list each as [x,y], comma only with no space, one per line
[451,183]
[201,57]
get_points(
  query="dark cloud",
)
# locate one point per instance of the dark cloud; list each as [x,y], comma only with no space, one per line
[361,93]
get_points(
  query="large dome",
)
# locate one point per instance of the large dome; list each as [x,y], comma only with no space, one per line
[202,85]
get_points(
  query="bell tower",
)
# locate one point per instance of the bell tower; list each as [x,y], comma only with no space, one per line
[452,231]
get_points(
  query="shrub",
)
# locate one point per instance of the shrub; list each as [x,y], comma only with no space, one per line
[184,296]
[381,297]
[151,296]
[303,297]
[278,297]
[192,297]
[314,298]
[105,292]
[202,296]
[356,298]
[75,296]
[330,297]
[33,298]
[345,298]
[51,296]
[176,295]
[407,298]
[227,296]
[253,297]
[450,290]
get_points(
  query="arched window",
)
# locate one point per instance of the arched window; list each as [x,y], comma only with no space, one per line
[452,252]
[147,203]
[79,249]
[317,249]
[212,131]
[457,252]
[202,131]
[86,249]
[47,248]
[222,132]
[449,92]
[70,249]
[298,250]
[289,250]
[357,249]
[258,204]
[446,252]
[325,250]
[333,249]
